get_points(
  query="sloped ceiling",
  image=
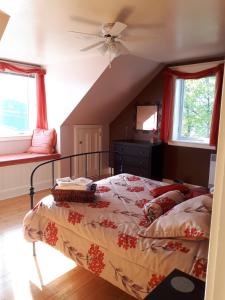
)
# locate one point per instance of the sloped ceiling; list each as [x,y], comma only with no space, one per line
[159,31]
[113,90]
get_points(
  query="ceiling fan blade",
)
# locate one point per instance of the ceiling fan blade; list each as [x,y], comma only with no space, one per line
[136,38]
[149,26]
[86,34]
[91,46]
[117,28]
[84,20]
[124,13]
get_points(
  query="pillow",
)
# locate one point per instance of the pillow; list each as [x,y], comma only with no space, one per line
[43,141]
[189,220]
[196,191]
[166,188]
[160,205]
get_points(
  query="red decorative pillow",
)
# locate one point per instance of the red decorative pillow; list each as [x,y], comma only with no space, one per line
[196,191]
[160,205]
[43,141]
[166,188]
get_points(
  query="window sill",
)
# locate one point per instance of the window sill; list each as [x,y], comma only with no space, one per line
[191,145]
[22,158]
[15,138]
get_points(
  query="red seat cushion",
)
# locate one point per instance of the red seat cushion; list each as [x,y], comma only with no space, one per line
[22,158]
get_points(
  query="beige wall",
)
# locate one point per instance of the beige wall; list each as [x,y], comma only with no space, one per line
[215,287]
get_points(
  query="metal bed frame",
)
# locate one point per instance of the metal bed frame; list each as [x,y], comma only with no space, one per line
[70,158]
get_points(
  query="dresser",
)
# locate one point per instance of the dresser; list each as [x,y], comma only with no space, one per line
[138,158]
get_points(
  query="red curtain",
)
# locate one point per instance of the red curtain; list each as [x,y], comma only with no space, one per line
[168,98]
[41,103]
[167,107]
[41,100]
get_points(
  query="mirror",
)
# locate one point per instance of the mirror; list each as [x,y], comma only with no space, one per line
[147,117]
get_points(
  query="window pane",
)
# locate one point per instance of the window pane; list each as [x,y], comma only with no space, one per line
[196,108]
[17,97]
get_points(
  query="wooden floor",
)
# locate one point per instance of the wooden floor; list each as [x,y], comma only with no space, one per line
[51,275]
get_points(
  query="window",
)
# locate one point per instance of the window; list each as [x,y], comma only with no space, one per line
[17,104]
[193,108]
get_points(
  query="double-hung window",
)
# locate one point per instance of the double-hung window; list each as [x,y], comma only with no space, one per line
[193,106]
[17,104]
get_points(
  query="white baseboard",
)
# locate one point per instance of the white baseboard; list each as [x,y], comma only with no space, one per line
[23,190]
[15,180]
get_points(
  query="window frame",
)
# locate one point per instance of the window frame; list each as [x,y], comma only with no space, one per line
[178,108]
[25,135]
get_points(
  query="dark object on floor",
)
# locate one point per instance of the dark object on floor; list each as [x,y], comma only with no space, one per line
[178,286]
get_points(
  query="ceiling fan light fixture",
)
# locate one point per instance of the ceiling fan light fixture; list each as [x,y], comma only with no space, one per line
[114,49]
[110,40]
[103,49]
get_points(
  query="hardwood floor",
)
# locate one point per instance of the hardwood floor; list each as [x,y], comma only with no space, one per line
[49,276]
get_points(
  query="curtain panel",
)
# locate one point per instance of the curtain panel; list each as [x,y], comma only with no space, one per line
[169,93]
[41,99]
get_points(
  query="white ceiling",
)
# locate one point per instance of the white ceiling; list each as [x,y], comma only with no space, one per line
[160,30]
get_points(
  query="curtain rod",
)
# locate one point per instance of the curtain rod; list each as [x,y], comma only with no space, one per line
[20,63]
[196,63]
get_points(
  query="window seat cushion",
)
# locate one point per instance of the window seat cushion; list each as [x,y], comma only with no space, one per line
[22,158]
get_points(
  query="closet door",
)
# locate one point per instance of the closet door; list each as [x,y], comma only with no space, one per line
[87,138]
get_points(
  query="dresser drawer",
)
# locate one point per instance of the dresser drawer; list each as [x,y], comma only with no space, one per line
[138,158]
[133,150]
[136,171]
[135,161]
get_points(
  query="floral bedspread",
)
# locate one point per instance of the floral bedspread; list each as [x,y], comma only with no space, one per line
[103,236]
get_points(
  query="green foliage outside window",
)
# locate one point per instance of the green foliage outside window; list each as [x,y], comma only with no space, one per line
[197,108]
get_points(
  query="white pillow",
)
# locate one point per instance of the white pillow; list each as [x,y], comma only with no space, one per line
[189,220]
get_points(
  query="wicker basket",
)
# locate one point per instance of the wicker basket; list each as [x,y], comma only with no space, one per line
[74,195]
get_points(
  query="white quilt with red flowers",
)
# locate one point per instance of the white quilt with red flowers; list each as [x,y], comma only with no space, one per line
[104,236]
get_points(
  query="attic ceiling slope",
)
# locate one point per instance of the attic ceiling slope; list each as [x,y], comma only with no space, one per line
[113,91]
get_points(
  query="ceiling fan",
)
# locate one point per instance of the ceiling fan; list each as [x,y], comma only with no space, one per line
[109,39]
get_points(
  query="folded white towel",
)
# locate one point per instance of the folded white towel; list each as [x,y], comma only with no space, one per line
[82,181]
[67,181]
[72,187]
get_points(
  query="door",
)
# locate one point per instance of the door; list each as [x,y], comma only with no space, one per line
[87,138]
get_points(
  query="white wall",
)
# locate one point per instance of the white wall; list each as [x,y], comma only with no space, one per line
[15,180]
[67,83]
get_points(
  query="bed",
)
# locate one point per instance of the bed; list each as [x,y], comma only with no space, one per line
[113,238]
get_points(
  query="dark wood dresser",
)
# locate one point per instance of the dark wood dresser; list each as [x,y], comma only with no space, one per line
[138,158]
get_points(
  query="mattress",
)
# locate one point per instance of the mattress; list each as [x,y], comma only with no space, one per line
[104,236]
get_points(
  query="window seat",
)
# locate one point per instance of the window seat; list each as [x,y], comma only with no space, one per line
[22,158]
